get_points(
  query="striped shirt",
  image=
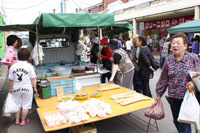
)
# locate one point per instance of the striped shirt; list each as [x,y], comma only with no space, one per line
[175,75]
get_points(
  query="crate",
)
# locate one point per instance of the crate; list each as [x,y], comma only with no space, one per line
[88,128]
[68,83]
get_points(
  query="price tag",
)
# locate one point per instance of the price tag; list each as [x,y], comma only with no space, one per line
[59,90]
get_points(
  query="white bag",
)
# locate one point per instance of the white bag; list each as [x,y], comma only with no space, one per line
[190,109]
[10,105]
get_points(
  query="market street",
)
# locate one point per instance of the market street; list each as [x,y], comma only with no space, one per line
[131,123]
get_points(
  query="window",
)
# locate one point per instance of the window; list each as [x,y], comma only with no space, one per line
[54,42]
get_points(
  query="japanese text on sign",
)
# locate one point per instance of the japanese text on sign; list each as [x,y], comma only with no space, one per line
[166,23]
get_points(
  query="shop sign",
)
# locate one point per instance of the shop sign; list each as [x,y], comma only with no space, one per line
[166,23]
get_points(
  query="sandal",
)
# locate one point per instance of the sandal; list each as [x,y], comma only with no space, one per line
[26,122]
[16,123]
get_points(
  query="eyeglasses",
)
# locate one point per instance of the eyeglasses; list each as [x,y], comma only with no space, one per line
[178,43]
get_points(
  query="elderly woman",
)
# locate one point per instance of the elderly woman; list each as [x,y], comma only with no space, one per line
[175,77]
[123,62]
[145,64]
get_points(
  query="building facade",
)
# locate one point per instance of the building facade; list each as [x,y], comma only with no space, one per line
[154,17]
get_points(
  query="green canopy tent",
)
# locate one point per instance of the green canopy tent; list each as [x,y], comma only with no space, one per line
[188,27]
[75,19]
[116,28]
[17,27]
[60,23]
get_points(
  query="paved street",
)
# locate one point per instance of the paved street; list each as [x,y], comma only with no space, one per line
[135,122]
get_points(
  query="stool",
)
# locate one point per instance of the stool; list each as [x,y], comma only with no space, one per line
[150,123]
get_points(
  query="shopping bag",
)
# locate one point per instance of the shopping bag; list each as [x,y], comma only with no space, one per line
[3,112]
[156,111]
[10,105]
[190,109]
[196,79]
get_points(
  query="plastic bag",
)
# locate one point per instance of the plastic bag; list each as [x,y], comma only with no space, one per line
[3,112]
[190,109]
[196,79]
[10,105]
[156,111]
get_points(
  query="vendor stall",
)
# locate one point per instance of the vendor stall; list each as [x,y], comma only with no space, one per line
[48,105]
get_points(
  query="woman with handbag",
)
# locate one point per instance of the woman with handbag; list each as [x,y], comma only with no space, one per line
[146,69]
[175,76]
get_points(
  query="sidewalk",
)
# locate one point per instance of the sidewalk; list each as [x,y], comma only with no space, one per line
[3,75]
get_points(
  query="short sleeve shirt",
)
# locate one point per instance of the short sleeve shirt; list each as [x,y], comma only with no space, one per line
[10,55]
[21,74]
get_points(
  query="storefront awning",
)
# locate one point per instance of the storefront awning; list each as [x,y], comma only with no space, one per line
[188,27]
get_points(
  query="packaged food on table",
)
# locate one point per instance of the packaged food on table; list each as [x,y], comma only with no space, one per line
[54,118]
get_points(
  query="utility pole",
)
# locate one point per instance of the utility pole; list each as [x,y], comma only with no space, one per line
[64,1]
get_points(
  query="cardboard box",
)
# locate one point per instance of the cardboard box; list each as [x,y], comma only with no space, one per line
[88,128]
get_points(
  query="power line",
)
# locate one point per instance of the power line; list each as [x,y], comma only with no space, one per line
[28,6]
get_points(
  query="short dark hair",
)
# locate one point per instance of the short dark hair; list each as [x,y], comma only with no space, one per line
[143,40]
[181,35]
[11,40]
[23,54]
[19,43]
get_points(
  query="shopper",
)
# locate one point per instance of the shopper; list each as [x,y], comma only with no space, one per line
[195,45]
[10,55]
[94,51]
[165,51]
[22,80]
[105,55]
[19,43]
[145,64]
[175,76]
[128,46]
[121,60]
[134,57]
[189,48]
[149,42]
[161,43]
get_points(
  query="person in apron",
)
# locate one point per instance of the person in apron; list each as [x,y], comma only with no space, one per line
[123,62]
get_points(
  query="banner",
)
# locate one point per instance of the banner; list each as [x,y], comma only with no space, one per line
[166,23]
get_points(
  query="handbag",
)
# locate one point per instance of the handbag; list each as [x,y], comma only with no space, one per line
[156,111]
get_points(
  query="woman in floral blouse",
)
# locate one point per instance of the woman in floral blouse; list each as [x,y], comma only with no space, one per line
[175,77]
[10,55]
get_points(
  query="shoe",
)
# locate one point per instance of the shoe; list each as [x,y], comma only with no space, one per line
[26,122]
[16,123]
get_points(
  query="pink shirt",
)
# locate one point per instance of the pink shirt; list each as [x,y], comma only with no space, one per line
[10,55]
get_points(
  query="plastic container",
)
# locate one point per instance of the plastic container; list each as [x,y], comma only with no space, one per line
[41,73]
[78,69]
[62,70]
[49,74]
[44,90]
[44,93]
